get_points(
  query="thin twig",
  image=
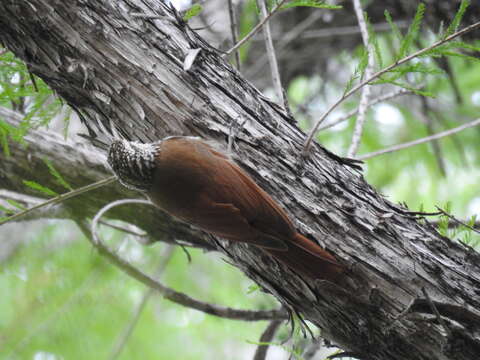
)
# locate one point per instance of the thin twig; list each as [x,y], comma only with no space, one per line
[61,198]
[311,135]
[349,30]
[280,46]
[123,229]
[128,330]
[167,293]
[363,105]
[425,115]
[456,220]
[386,97]
[272,59]
[233,30]
[265,339]
[475,226]
[255,29]
[420,141]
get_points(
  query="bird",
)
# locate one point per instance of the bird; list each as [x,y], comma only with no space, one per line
[194,181]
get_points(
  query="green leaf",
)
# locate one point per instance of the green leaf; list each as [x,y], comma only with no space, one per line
[36,186]
[393,26]
[412,31]
[457,19]
[16,204]
[416,68]
[253,288]
[415,90]
[56,174]
[359,71]
[362,65]
[441,52]
[311,3]
[453,45]
[193,11]
[6,211]
[4,141]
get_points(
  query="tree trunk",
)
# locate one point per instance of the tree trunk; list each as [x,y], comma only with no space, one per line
[124,73]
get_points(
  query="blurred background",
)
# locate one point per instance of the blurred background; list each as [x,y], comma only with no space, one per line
[61,300]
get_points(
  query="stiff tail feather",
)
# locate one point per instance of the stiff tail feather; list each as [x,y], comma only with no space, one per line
[307,258]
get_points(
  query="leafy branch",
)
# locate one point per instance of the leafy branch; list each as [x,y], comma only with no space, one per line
[60,198]
[377,75]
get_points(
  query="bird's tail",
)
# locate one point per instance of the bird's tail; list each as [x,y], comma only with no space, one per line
[307,258]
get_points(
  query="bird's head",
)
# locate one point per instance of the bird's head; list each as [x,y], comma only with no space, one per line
[133,163]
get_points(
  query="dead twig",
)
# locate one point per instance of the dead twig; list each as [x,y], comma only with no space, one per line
[255,29]
[421,141]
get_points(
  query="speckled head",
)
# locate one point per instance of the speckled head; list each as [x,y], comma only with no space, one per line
[133,163]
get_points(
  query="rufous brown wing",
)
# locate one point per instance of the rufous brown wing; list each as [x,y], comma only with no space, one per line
[203,187]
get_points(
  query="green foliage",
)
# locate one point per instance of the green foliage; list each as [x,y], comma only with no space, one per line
[60,180]
[36,186]
[5,131]
[412,33]
[192,12]
[38,105]
[457,19]
[310,3]
[393,26]
[358,72]
[16,204]
[60,297]
[444,220]
[468,237]
[253,288]
[395,75]
[447,50]
[5,210]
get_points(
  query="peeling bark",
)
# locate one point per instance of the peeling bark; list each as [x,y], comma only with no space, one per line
[125,75]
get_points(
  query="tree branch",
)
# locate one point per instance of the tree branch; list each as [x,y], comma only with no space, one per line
[256,28]
[233,29]
[421,141]
[363,105]
[272,59]
[380,99]
[267,337]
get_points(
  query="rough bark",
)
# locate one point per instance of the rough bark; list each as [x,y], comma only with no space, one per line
[125,75]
